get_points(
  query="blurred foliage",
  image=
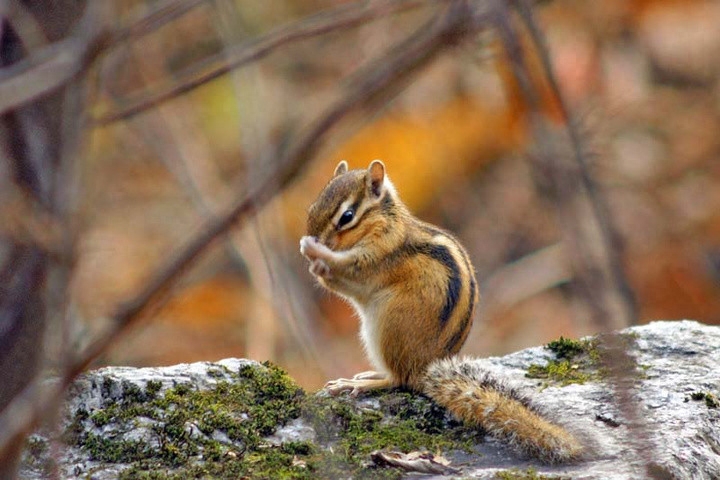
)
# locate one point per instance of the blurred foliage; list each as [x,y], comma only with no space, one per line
[642,74]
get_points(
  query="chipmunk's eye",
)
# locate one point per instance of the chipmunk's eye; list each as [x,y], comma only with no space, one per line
[346,217]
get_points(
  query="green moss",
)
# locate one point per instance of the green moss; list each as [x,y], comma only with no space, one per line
[175,430]
[711,400]
[576,362]
[415,423]
[580,361]
[132,393]
[115,450]
[563,372]
[568,348]
[152,388]
[529,474]
[103,417]
[36,456]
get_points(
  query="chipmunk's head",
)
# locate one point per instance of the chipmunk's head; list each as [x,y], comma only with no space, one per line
[353,205]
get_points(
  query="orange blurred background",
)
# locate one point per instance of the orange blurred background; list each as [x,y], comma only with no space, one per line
[642,75]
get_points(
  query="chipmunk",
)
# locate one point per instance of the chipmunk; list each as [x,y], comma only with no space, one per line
[414,289]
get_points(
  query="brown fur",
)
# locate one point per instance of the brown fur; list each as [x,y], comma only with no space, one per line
[415,291]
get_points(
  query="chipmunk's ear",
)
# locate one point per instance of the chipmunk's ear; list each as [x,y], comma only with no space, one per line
[341,168]
[376,177]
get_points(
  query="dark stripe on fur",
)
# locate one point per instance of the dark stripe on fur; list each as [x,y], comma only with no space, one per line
[458,338]
[441,254]
[452,294]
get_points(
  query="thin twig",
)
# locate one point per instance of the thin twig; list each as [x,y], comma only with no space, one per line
[339,18]
[275,283]
[526,277]
[598,278]
[24,24]
[53,66]
[620,365]
[160,15]
[49,126]
[610,237]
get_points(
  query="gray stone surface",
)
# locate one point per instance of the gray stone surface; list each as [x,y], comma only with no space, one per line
[677,359]
[680,436]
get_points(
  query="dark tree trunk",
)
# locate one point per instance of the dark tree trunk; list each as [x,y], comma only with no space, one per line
[32,142]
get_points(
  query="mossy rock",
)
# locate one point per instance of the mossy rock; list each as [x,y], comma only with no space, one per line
[249,421]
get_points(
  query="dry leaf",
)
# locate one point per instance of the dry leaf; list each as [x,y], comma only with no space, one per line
[420,462]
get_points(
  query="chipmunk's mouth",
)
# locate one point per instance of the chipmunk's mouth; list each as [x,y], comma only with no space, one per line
[327,242]
[331,244]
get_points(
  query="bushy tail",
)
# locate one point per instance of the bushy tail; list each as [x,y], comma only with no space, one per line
[476,398]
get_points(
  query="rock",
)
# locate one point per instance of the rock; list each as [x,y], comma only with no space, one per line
[238,418]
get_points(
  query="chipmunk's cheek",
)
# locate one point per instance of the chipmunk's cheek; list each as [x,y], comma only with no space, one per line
[347,239]
[340,242]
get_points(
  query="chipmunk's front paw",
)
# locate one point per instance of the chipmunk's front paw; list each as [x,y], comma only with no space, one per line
[319,268]
[311,248]
[306,243]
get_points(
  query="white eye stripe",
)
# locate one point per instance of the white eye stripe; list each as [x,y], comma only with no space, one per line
[343,207]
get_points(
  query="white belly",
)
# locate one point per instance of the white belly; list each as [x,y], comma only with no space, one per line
[370,332]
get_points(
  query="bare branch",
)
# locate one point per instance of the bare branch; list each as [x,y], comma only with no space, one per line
[343,17]
[156,18]
[24,222]
[25,25]
[611,242]
[528,276]
[598,277]
[55,65]
[40,128]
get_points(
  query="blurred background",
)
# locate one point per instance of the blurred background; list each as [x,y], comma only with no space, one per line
[641,75]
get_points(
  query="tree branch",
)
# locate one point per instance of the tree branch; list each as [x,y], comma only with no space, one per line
[156,18]
[343,17]
[610,238]
[53,66]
